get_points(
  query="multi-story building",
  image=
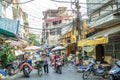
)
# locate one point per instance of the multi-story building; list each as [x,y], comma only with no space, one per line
[13,21]
[9,26]
[104,19]
[12,13]
[54,20]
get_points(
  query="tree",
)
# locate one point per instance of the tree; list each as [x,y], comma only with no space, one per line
[33,39]
[7,55]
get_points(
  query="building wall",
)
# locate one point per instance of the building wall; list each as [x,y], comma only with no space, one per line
[14,11]
[106,17]
[52,24]
[94,4]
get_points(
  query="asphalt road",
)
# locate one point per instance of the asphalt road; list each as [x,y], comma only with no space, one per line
[68,73]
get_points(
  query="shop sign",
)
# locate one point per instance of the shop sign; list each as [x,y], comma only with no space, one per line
[9,25]
[57,19]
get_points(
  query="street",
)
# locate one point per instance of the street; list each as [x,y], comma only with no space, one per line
[69,73]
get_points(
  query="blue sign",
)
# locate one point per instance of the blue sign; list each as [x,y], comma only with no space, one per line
[9,25]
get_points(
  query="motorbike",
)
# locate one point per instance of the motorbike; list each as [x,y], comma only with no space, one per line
[91,70]
[26,68]
[58,66]
[115,72]
[10,68]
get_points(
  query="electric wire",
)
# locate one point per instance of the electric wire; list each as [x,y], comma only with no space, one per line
[97,3]
[18,3]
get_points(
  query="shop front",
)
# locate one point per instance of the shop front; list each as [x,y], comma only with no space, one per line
[71,47]
[104,43]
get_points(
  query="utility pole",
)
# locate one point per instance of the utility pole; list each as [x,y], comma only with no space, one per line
[77,22]
[78,27]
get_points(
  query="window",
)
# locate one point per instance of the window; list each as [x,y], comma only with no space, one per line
[58,31]
[95,16]
[105,11]
[52,32]
[55,23]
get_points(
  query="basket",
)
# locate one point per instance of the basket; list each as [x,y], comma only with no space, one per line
[39,63]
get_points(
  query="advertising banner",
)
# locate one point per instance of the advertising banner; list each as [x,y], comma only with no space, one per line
[9,25]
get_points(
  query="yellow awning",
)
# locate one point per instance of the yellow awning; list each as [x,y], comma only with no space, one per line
[88,42]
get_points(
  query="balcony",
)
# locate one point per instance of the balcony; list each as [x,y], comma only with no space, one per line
[106,15]
[105,21]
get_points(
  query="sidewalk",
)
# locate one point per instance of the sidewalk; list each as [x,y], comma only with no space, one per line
[12,77]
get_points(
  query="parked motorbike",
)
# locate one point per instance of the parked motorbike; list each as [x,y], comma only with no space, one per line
[115,72]
[11,68]
[91,70]
[58,66]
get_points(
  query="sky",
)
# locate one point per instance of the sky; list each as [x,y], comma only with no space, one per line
[35,8]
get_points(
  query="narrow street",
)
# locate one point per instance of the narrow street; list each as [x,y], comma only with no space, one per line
[68,74]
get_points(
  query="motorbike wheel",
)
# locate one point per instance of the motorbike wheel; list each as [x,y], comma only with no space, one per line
[111,78]
[60,70]
[26,72]
[40,71]
[86,74]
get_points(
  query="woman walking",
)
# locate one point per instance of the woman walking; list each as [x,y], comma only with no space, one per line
[45,58]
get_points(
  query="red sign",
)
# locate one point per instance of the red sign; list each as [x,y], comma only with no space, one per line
[57,19]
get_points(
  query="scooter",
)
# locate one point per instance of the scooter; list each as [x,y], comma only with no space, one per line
[26,68]
[115,72]
[58,66]
[100,72]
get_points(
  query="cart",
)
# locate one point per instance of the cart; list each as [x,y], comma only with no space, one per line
[39,67]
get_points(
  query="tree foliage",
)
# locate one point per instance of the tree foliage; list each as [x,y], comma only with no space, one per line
[7,55]
[33,39]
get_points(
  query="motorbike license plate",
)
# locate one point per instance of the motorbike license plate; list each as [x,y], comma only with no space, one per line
[26,68]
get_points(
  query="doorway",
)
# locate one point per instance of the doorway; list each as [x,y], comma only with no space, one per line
[99,52]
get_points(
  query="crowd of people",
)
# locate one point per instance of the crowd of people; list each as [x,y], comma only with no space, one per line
[49,58]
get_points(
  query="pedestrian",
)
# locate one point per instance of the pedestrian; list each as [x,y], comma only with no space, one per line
[45,64]
[79,53]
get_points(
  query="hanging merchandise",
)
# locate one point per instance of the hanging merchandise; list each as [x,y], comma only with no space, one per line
[89,48]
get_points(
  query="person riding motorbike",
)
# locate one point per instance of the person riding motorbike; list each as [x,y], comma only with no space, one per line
[55,59]
[25,62]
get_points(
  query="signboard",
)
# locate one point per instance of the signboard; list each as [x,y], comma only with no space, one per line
[9,25]
[57,19]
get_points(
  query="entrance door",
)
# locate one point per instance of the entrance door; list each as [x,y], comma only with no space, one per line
[99,52]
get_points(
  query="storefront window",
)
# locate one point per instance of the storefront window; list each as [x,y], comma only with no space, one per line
[113,47]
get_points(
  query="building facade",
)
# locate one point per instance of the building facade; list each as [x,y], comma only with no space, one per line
[104,19]
[54,20]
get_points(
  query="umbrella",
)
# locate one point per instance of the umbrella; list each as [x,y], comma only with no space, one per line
[58,48]
[32,48]
[15,43]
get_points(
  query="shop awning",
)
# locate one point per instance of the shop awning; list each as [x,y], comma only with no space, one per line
[7,33]
[99,38]
[107,32]
[88,42]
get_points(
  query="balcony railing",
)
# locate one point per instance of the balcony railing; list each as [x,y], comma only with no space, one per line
[110,17]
